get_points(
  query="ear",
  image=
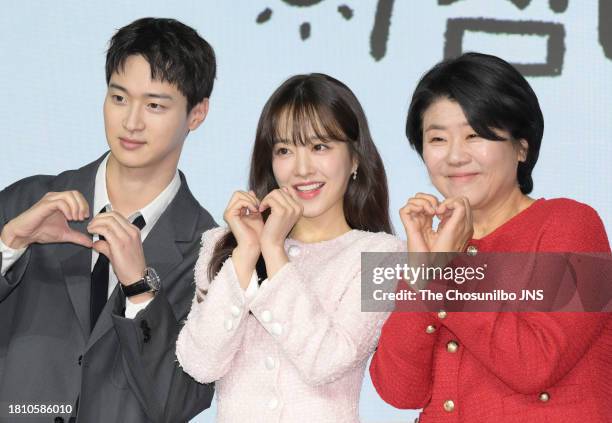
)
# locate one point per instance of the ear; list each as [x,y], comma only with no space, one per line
[197,115]
[523,149]
[355,165]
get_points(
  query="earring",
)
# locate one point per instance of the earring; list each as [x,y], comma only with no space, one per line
[355,175]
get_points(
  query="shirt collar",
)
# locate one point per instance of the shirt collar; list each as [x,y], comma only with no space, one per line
[151,212]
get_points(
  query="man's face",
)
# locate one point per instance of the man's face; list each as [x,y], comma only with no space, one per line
[146,121]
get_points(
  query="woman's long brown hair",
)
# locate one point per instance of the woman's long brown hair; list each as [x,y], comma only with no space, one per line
[317,102]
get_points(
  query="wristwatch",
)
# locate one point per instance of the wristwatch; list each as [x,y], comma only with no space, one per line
[149,283]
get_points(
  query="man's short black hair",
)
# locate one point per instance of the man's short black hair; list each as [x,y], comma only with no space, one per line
[492,94]
[175,52]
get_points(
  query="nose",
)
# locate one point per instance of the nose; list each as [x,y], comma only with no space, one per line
[303,162]
[132,121]
[457,153]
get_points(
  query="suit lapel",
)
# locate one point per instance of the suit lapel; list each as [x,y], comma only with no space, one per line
[76,260]
[76,267]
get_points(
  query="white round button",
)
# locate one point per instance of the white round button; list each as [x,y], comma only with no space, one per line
[266,316]
[293,251]
[229,324]
[273,403]
[270,363]
[277,329]
[235,311]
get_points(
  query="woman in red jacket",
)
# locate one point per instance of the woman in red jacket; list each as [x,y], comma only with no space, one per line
[477,125]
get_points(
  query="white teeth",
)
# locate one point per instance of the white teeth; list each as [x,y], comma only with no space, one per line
[309,187]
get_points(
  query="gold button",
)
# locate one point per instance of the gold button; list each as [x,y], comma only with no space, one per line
[544,397]
[449,405]
[452,347]
[430,329]
[442,314]
[472,250]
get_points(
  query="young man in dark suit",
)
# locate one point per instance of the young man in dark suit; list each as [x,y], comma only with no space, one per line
[97,263]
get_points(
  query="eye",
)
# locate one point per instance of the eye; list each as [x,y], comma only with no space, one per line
[281,151]
[473,136]
[436,139]
[320,147]
[156,107]
[118,99]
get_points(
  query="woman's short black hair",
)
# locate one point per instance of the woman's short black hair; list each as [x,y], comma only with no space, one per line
[175,52]
[492,94]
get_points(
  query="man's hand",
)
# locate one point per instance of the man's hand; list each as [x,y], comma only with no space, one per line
[122,245]
[47,221]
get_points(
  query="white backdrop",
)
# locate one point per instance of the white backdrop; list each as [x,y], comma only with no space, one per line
[52,86]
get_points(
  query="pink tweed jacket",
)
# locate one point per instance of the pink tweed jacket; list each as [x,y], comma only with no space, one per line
[301,353]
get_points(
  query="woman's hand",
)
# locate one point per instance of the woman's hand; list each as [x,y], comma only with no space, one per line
[244,220]
[455,228]
[285,211]
[417,218]
[456,225]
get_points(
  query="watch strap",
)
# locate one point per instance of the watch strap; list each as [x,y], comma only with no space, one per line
[137,288]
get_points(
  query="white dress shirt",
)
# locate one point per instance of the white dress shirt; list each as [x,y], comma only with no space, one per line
[151,213]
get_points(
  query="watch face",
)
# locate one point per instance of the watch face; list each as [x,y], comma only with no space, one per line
[152,279]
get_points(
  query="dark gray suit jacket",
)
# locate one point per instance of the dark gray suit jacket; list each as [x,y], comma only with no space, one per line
[125,370]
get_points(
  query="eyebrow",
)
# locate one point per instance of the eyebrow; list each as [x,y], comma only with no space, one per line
[434,126]
[149,95]
[310,139]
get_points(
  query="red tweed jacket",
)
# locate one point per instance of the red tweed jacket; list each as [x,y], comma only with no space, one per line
[506,367]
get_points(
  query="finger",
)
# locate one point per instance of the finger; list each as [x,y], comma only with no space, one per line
[83,204]
[288,193]
[272,201]
[414,208]
[468,208]
[79,213]
[454,211]
[243,200]
[426,204]
[72,203]
[58,205]
[265,202]
[102,247]
[243,197]
[292,200]
[454,204]
[110,230]
[445,206]
[431,199]
[116,220]
[283,196]
[78,238]
[240,208]
[251,200]
[252,195]
[287,203]
[129,227]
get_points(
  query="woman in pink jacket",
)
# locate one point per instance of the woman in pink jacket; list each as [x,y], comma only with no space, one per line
[276,320]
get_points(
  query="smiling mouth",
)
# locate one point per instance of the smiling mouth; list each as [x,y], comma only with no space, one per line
[463,176]
[310,187]
[308,191]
